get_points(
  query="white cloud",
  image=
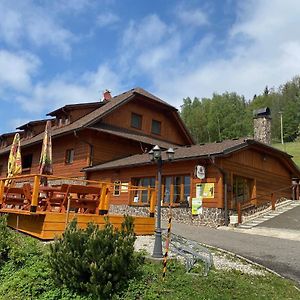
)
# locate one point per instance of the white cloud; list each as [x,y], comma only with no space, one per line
[26,20]
[16,70]
[191,16]
[65,90]
[262,48]
[107,19]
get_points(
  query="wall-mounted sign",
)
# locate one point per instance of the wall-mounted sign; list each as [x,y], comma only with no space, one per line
[205,190]
[200,172]
[124,187]
[196,206]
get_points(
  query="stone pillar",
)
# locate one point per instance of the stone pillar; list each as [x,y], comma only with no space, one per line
[262,129]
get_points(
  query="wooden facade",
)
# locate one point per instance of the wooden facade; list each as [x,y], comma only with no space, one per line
[252,172]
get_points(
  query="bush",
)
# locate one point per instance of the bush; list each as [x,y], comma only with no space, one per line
[93,261]
[5,239]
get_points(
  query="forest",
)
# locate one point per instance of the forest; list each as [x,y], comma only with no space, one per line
[229,115]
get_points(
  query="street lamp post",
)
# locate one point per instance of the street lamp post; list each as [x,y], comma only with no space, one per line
[155,155]
[281,127]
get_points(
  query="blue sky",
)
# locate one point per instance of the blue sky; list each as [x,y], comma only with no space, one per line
[54,52]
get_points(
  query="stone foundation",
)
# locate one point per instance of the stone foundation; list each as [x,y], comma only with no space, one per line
[212,217]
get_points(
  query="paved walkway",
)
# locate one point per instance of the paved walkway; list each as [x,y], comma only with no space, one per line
[279,254]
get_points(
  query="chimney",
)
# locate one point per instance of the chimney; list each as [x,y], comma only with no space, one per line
[106,95]
[262,125]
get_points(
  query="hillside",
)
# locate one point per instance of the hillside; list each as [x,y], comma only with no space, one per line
[292,148]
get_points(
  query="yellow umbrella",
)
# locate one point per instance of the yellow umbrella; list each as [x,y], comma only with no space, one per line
[45,166]
[14,166]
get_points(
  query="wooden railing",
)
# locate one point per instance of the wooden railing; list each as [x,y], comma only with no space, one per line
[35,180]
[258,201]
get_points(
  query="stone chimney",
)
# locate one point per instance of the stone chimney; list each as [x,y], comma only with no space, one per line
[262,125]
[106,95]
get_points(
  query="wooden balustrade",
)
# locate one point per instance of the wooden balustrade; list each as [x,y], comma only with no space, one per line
[258,201]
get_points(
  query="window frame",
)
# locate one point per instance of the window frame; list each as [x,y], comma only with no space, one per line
[140,120]
[117,188]
[69,156]
[25,159]
[136,181]
[152,127]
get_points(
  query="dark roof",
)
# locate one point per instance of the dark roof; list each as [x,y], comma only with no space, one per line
[128,134]
[32,123]
[186,153]
[76,106]
[94,116]
[4,135]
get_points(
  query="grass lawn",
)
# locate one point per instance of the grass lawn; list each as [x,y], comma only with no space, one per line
[292,149]
[219,284]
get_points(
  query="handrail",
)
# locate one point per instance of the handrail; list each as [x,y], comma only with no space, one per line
[249,203]
[107,188]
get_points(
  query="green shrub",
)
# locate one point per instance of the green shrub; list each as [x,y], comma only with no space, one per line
[5,239]
[97,262]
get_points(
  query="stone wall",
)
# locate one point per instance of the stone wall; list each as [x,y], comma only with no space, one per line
[262,129]
[213,217]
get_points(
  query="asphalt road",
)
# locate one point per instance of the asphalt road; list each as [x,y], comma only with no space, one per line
[287,220]
[280,255]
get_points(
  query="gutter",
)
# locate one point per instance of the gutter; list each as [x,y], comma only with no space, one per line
[212,160]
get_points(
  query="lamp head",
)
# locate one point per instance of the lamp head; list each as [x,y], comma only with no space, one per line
[170,153]
[156,152]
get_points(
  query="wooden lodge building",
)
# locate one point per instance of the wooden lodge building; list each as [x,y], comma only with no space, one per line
[109,141]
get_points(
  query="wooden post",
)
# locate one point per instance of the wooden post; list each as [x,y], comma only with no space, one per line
[35,193]
[2,184]
[102,199]
[106,201]
[239,211]
[152,203]
[273,199]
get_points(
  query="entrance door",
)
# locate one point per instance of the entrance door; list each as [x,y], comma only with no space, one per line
[242,189]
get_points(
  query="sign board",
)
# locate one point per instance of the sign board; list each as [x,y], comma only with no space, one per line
[197,206]
[205,190]
[200,172]
[124,187]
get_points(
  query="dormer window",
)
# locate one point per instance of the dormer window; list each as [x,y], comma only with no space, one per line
[28,134]
[156,127]
[63,120]
[136,121]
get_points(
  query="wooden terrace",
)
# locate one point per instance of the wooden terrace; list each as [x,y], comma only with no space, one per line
[45,211]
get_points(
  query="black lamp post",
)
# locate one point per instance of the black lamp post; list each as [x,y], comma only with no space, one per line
[155,155]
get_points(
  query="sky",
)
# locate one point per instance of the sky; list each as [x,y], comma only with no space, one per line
[57,52]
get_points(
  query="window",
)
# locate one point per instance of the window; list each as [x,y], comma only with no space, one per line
[136,121]
[69,156]
[176,189]
[156,127]
[142,196]
[117,188]
[242,189]
[27,161]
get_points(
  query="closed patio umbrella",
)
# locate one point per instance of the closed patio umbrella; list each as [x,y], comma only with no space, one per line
[14,166]
[45,166]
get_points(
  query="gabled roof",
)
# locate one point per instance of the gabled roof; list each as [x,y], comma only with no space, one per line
[93,117]
[69,107]
[132,135]
[33,123]
[8,134]
[217,149]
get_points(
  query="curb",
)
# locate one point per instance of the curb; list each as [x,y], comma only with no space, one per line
[250,262]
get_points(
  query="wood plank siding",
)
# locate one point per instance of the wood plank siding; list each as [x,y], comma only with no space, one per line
[170,129]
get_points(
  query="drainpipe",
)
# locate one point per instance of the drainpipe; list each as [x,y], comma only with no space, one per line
[212,159]
[90,145]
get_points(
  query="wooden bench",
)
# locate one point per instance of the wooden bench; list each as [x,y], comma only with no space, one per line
[84,199]
[81,199]
[17,197]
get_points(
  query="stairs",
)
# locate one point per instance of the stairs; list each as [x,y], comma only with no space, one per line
[269,214]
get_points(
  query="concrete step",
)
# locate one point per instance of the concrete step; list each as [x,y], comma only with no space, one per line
[286,206]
